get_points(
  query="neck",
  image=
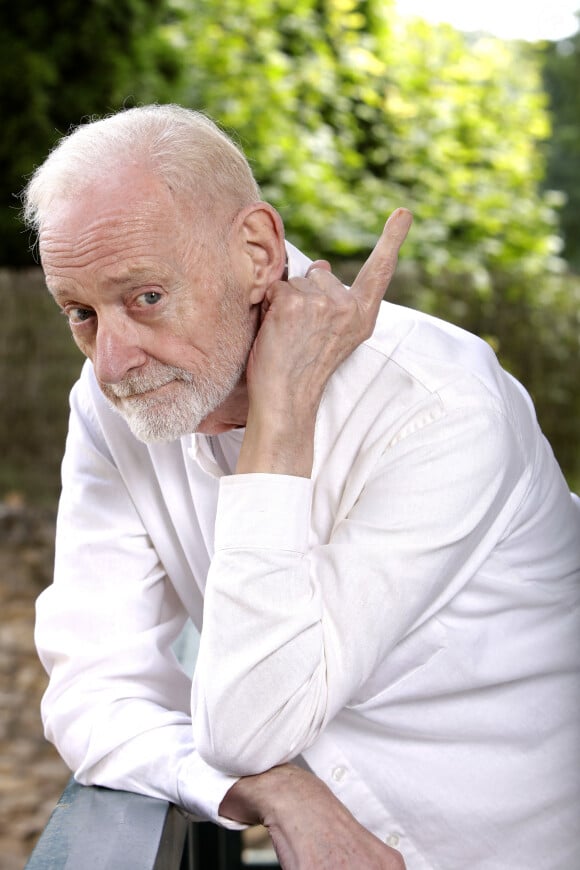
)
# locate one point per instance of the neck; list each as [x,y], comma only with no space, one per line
[232,414]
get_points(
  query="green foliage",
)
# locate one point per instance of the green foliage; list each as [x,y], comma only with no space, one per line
[299,84]
[562,81]
[348,111]
[470,114]
[62,61]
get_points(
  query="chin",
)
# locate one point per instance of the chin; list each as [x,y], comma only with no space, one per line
[155,422]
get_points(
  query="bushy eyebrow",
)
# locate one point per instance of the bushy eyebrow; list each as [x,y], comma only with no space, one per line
[134,276]
[57,294]
[139,276]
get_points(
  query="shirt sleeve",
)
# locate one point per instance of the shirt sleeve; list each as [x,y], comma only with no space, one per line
[117,706]
[307,623]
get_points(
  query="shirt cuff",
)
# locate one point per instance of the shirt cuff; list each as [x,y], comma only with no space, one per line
[201,789]
[263,511]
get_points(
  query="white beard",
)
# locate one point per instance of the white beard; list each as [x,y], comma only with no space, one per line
[167,414]
[180,399]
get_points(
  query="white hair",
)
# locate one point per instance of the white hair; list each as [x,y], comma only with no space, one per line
[183,147]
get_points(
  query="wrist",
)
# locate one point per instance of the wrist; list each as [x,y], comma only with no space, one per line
[255,800]
[278,444]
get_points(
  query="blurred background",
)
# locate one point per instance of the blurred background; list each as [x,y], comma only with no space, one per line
[347,109]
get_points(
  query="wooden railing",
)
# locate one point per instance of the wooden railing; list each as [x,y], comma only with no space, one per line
[94,828]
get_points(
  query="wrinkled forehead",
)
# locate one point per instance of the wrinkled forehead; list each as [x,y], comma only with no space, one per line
[110,231]
[119,206]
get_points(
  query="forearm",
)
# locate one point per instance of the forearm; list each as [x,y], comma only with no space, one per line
[116,737]
[278,443]
[163,763]
[269,700]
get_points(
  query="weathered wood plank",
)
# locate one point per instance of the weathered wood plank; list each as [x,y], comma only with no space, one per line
[95,828]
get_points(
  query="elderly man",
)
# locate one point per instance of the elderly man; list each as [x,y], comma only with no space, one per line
[363,520]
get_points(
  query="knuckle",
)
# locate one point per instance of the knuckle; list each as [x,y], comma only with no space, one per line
[294,303]
[321,303]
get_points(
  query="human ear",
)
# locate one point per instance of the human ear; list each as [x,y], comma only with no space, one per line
[260,254]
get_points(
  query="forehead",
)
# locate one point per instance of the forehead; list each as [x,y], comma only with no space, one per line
[131,218]
[133,198]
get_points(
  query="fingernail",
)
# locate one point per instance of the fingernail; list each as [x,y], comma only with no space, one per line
[398,214]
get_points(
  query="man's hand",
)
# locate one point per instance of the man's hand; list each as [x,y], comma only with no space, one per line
[309,327]
[309,827]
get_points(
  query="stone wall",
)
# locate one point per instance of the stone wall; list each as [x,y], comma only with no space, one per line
[32,775]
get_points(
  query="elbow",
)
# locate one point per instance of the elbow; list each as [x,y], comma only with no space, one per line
[243,743]
[234,763]
[239,753]
[248,729]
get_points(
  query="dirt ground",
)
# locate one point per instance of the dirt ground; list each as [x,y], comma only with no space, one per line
[32,776]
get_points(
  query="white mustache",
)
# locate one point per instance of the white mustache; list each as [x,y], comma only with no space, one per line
[134,385]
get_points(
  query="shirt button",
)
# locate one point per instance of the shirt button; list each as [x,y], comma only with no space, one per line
[339,773]
[392,840]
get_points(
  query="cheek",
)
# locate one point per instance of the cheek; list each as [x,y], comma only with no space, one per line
[180,348]
[84,340]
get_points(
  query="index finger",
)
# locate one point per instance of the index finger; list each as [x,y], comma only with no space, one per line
[371,283]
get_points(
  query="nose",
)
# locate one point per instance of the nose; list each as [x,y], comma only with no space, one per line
[117,351]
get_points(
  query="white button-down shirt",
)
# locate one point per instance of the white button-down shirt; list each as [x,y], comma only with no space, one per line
[407,620]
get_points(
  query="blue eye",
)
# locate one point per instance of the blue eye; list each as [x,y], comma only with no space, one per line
[78,315]
[152,297]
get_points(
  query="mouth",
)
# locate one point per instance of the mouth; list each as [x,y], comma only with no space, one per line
[144,394]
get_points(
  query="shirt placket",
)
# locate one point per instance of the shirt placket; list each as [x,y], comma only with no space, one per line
[327,760]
